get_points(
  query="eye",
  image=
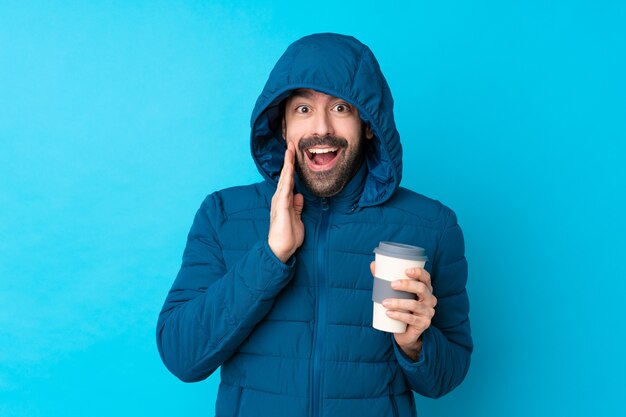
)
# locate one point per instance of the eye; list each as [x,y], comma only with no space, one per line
[342,108]
[303,108]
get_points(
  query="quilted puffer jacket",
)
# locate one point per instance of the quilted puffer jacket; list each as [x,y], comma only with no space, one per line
[296,339]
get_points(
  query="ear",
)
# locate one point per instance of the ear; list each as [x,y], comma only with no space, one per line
[284,128]
[368,133]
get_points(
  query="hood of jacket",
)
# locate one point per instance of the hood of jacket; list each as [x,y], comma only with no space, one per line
[343,67]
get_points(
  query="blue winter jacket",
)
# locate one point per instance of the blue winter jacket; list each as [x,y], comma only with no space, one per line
[296,339]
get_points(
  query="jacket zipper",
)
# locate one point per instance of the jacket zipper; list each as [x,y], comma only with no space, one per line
[316,397]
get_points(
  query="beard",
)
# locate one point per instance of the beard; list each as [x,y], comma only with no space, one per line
[330,182]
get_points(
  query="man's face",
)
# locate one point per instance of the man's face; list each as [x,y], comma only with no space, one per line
[327,134]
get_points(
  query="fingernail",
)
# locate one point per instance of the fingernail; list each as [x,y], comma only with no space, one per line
[395,284]
[386,303]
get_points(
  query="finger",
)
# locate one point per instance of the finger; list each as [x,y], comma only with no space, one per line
[290,154]
[420,274]
[286,175]
[410,306]
[373,268]
[282,197]
[292,148]
[283,175]
[416,287]
[420,322]
[287,160]
[401,304]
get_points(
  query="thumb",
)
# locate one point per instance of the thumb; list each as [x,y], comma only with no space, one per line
[298,203]
[373,267]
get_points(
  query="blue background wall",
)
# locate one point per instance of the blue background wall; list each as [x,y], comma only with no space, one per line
[117,118]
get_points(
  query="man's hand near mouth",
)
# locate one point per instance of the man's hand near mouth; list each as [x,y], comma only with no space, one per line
[286,228]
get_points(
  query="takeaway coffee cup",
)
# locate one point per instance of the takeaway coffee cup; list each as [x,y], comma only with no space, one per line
[392,260]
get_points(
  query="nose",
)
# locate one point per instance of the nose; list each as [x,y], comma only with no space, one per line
[322,124]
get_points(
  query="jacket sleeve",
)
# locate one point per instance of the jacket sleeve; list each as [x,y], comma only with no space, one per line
[210,310]
[447,343]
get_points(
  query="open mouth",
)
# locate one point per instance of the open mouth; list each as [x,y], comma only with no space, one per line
[321,158]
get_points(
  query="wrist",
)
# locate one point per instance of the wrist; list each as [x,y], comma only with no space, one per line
[413,350]
[283,257]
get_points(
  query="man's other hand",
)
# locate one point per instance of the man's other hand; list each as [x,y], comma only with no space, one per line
[286,228]
[417,314]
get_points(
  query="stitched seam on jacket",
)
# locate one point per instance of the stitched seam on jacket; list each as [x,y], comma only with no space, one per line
[438,244]
[307,358]
[456,294]
[385,395]
[340,223]
[351,288]
[207,211]
[354,76]
[452,263]
[350,325]
[286,320]
[246,218]
[344,223]
[443,329]
[246,387]
[415,215]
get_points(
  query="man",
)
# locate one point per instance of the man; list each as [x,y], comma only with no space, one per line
[276,282]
